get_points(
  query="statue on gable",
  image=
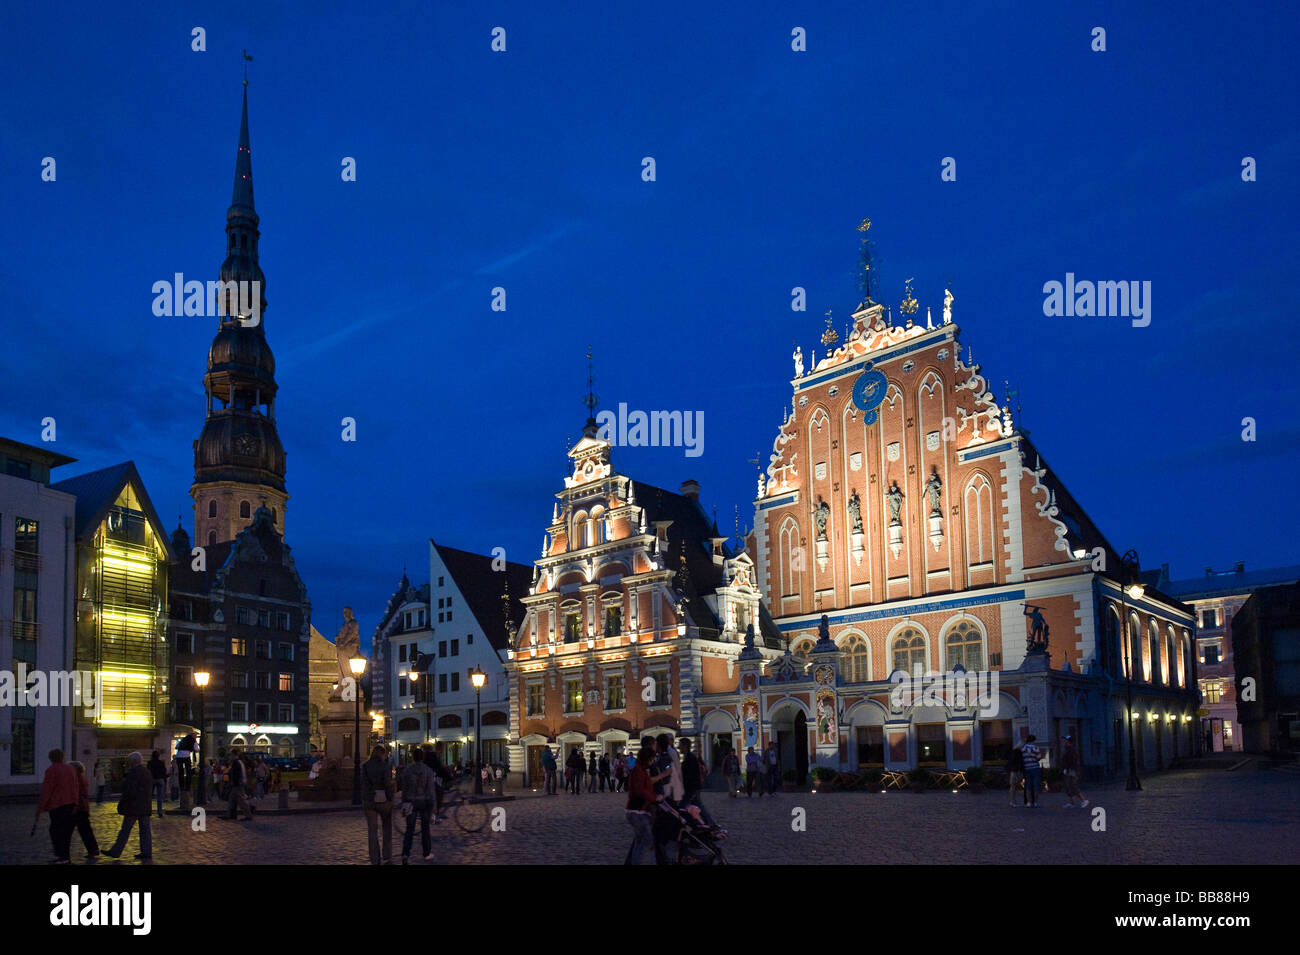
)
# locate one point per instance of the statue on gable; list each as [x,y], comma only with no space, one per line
[894,500]
[855,513]
[821,513]
[798,361]
[934,493]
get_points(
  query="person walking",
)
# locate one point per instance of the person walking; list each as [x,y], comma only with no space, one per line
[640,810]
[753,773]
[82,816]
[1033,770]
[1016,773]
[549,766]
[1070,769]
[606,781]
[773,769]
[378,792]
[418,785]
[260,774]
[137,787]
[731,772]
[59,797]
[101,782]
[593,773]
[158,772]
[621,770]
[239,787]
[693,774]
[576,766]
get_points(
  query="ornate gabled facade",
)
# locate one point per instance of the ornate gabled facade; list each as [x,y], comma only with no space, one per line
[637,609]
[905,517]
[239,463]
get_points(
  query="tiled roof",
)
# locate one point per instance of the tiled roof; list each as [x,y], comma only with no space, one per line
[482,588]
[1224,585]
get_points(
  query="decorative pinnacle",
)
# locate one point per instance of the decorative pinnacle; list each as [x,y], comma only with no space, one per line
[247,59]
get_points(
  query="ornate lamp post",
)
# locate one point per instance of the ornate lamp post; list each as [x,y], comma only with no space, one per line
[201,678]
[478,678]
[1132,586]
[357,665]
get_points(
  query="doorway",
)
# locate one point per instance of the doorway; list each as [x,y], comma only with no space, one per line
[536,775]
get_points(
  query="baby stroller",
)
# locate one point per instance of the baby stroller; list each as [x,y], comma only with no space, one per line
[688,839]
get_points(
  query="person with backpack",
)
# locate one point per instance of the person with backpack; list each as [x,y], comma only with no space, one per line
[378,792]
[418,785]
[731,771]
[137,786]
[1015,772]
[1033,770]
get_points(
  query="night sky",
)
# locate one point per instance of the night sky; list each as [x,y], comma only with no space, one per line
[522,169]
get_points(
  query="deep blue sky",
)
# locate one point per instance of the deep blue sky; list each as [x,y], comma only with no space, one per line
[522,169]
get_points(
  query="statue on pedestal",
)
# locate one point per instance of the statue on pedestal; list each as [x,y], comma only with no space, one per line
[346,646]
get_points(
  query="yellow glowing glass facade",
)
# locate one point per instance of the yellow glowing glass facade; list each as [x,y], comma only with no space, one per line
[122,616]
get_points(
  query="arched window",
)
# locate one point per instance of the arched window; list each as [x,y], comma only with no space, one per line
[964,645]
[855,660]
[448,721]
[909,650]
[244,509]
[274,519]
[212,508]
[801,650]
[979,520]
[1170,655]
[791,562]
[1183,646]
[408,725]
[1134,645]
[581,530]
[598,524]
[1151,662]
[1109,647]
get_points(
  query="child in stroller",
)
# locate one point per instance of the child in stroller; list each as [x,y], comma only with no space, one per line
[687,838]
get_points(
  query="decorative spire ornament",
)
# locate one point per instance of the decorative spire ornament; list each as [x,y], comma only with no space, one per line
[908,306]
[591,400]
[929,321]
[829,337]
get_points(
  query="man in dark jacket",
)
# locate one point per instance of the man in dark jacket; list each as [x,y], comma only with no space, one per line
[158,772]
[137,787]
[239,787]
[377,792]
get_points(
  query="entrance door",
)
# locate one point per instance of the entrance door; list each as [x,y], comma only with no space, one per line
[800,748]
[536,775]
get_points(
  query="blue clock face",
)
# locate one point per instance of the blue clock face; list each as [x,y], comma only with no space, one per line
[868,393]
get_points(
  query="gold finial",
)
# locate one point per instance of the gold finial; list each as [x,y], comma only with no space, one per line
[829,337]
[909,303]
[866,224]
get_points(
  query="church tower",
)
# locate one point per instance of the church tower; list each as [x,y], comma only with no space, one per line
[238,459]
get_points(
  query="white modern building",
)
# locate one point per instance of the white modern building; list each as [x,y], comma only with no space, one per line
[430,642]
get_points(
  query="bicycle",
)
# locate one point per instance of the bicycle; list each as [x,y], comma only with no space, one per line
[469,814]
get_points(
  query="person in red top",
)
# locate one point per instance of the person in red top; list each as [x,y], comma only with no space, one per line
[641,801]
[81,819]
[60,795]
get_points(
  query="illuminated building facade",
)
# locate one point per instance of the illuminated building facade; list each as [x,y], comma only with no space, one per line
[120,612]
[36,588]
[637,611]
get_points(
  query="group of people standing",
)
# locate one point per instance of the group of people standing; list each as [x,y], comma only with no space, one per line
[662,775]
[420,785]
[601,774]
[1024,766]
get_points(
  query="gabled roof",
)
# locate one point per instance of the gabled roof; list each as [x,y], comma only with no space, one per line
[482,588]
[691,533]
[96,492]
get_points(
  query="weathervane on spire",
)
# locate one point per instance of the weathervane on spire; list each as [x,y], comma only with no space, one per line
[864,260]
[908,306]
[247,59]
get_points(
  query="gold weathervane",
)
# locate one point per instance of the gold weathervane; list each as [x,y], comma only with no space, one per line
[908,307]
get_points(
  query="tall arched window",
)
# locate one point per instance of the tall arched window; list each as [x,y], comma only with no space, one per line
[244,509]
[1134,645]
[909,650]
[1109,641]
[979,520]
[791,557]
[1170,656]
[1183,645]
[1151,672]
[964,645]
[855,660]
[212,508]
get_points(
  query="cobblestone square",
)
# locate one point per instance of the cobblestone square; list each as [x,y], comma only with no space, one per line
[1196,816]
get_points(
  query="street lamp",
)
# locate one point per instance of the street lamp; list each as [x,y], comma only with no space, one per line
[357,665]
[1131,586]
[478,678]
[201,678]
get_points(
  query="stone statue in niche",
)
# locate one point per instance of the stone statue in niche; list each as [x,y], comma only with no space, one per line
[894,500]
[821,513]
[855,513]
[934,493]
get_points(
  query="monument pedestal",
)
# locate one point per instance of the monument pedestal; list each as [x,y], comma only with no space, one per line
[337,725]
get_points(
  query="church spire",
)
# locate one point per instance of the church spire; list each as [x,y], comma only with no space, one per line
[242,233]
[590,401]
[243,197]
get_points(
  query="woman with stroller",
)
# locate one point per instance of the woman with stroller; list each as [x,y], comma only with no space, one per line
[641,801]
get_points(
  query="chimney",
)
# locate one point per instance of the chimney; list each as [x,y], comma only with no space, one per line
[690,490]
